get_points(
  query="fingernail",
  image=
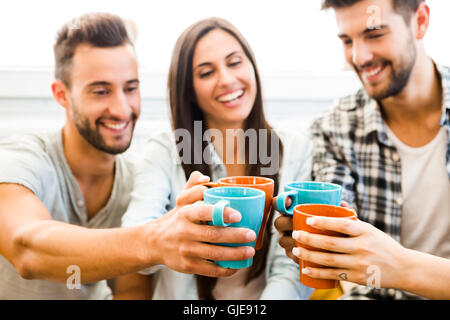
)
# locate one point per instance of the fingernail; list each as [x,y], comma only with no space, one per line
[251,235]
[295,234]
[235,217]
[296,251]
[306,271]
[250,252]
[310,221]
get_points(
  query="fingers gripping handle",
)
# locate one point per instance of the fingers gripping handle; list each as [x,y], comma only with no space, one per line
[217,214]
[280,202]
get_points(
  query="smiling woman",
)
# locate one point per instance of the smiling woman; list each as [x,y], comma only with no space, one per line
[224,80]
[214,81]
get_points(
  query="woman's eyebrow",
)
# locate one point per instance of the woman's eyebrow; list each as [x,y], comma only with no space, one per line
[231,54]
[209,63]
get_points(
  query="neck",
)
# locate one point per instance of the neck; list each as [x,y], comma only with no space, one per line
[86,162]
[421,97]
[231,149]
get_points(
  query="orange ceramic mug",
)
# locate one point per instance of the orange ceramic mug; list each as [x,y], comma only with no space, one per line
[261,183]
[301,213]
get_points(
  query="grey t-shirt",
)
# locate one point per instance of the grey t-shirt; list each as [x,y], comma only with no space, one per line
[37,162]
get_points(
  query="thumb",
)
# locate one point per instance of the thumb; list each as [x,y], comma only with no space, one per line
[196,178]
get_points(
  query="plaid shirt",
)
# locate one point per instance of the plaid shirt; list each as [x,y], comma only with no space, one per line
[352,149]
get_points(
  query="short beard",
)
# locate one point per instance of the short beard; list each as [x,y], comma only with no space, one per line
[398,82]
[93,136]
[400,76]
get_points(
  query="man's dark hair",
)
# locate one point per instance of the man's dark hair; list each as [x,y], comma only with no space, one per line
[402,7]
[101,30]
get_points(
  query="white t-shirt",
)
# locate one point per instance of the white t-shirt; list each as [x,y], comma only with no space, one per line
[425,222]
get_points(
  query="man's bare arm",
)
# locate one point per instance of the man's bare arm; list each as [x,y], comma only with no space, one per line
[42,248]
[133,287]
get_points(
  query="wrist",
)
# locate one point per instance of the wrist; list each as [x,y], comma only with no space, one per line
[147,236]
[407,270]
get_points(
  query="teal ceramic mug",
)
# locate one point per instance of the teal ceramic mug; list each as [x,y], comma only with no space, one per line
[249,202]
[308,192]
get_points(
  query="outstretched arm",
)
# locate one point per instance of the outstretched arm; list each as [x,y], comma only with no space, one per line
[371,257]
[42,248]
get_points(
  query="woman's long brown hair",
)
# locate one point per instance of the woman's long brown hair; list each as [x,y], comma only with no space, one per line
[185,111]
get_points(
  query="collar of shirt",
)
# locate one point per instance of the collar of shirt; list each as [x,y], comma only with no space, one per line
[373,121]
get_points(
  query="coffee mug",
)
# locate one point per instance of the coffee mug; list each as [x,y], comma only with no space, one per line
[261,183]
[301,213]
[250,204]
[308,192]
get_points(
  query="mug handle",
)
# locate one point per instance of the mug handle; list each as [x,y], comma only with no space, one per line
[279,202]
[217,214]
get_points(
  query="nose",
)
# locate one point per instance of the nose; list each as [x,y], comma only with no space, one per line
[361,53]
[226,77]
[120,107]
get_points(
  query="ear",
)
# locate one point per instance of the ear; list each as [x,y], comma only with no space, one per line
[422,20]
[61,93]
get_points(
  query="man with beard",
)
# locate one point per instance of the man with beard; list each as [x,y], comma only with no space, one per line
[62,194]
[387,145]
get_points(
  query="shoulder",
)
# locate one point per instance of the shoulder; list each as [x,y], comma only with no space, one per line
[32,147]
[32,141]
[26,159]
[297,147]
[160,142]
[346,112]
[158,151]
[292,140]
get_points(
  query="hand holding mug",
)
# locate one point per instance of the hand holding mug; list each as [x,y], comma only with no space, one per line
[249,202]
[367,256]
[297,193]
[260,183]
[186,244]
[307,192]
[285,227]
[304,212]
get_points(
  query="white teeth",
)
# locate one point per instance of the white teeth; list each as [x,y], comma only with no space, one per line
[372,73]
[231,96]
[118,126]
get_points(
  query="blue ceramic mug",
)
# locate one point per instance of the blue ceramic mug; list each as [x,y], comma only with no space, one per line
[249,202]
[308,192]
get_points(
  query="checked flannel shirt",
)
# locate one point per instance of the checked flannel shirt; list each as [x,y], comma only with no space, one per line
[352,149]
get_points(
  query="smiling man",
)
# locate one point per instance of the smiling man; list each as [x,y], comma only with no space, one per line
[62,194]
[388,144]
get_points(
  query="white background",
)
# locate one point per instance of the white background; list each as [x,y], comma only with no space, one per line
[297,51]
[286,35]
